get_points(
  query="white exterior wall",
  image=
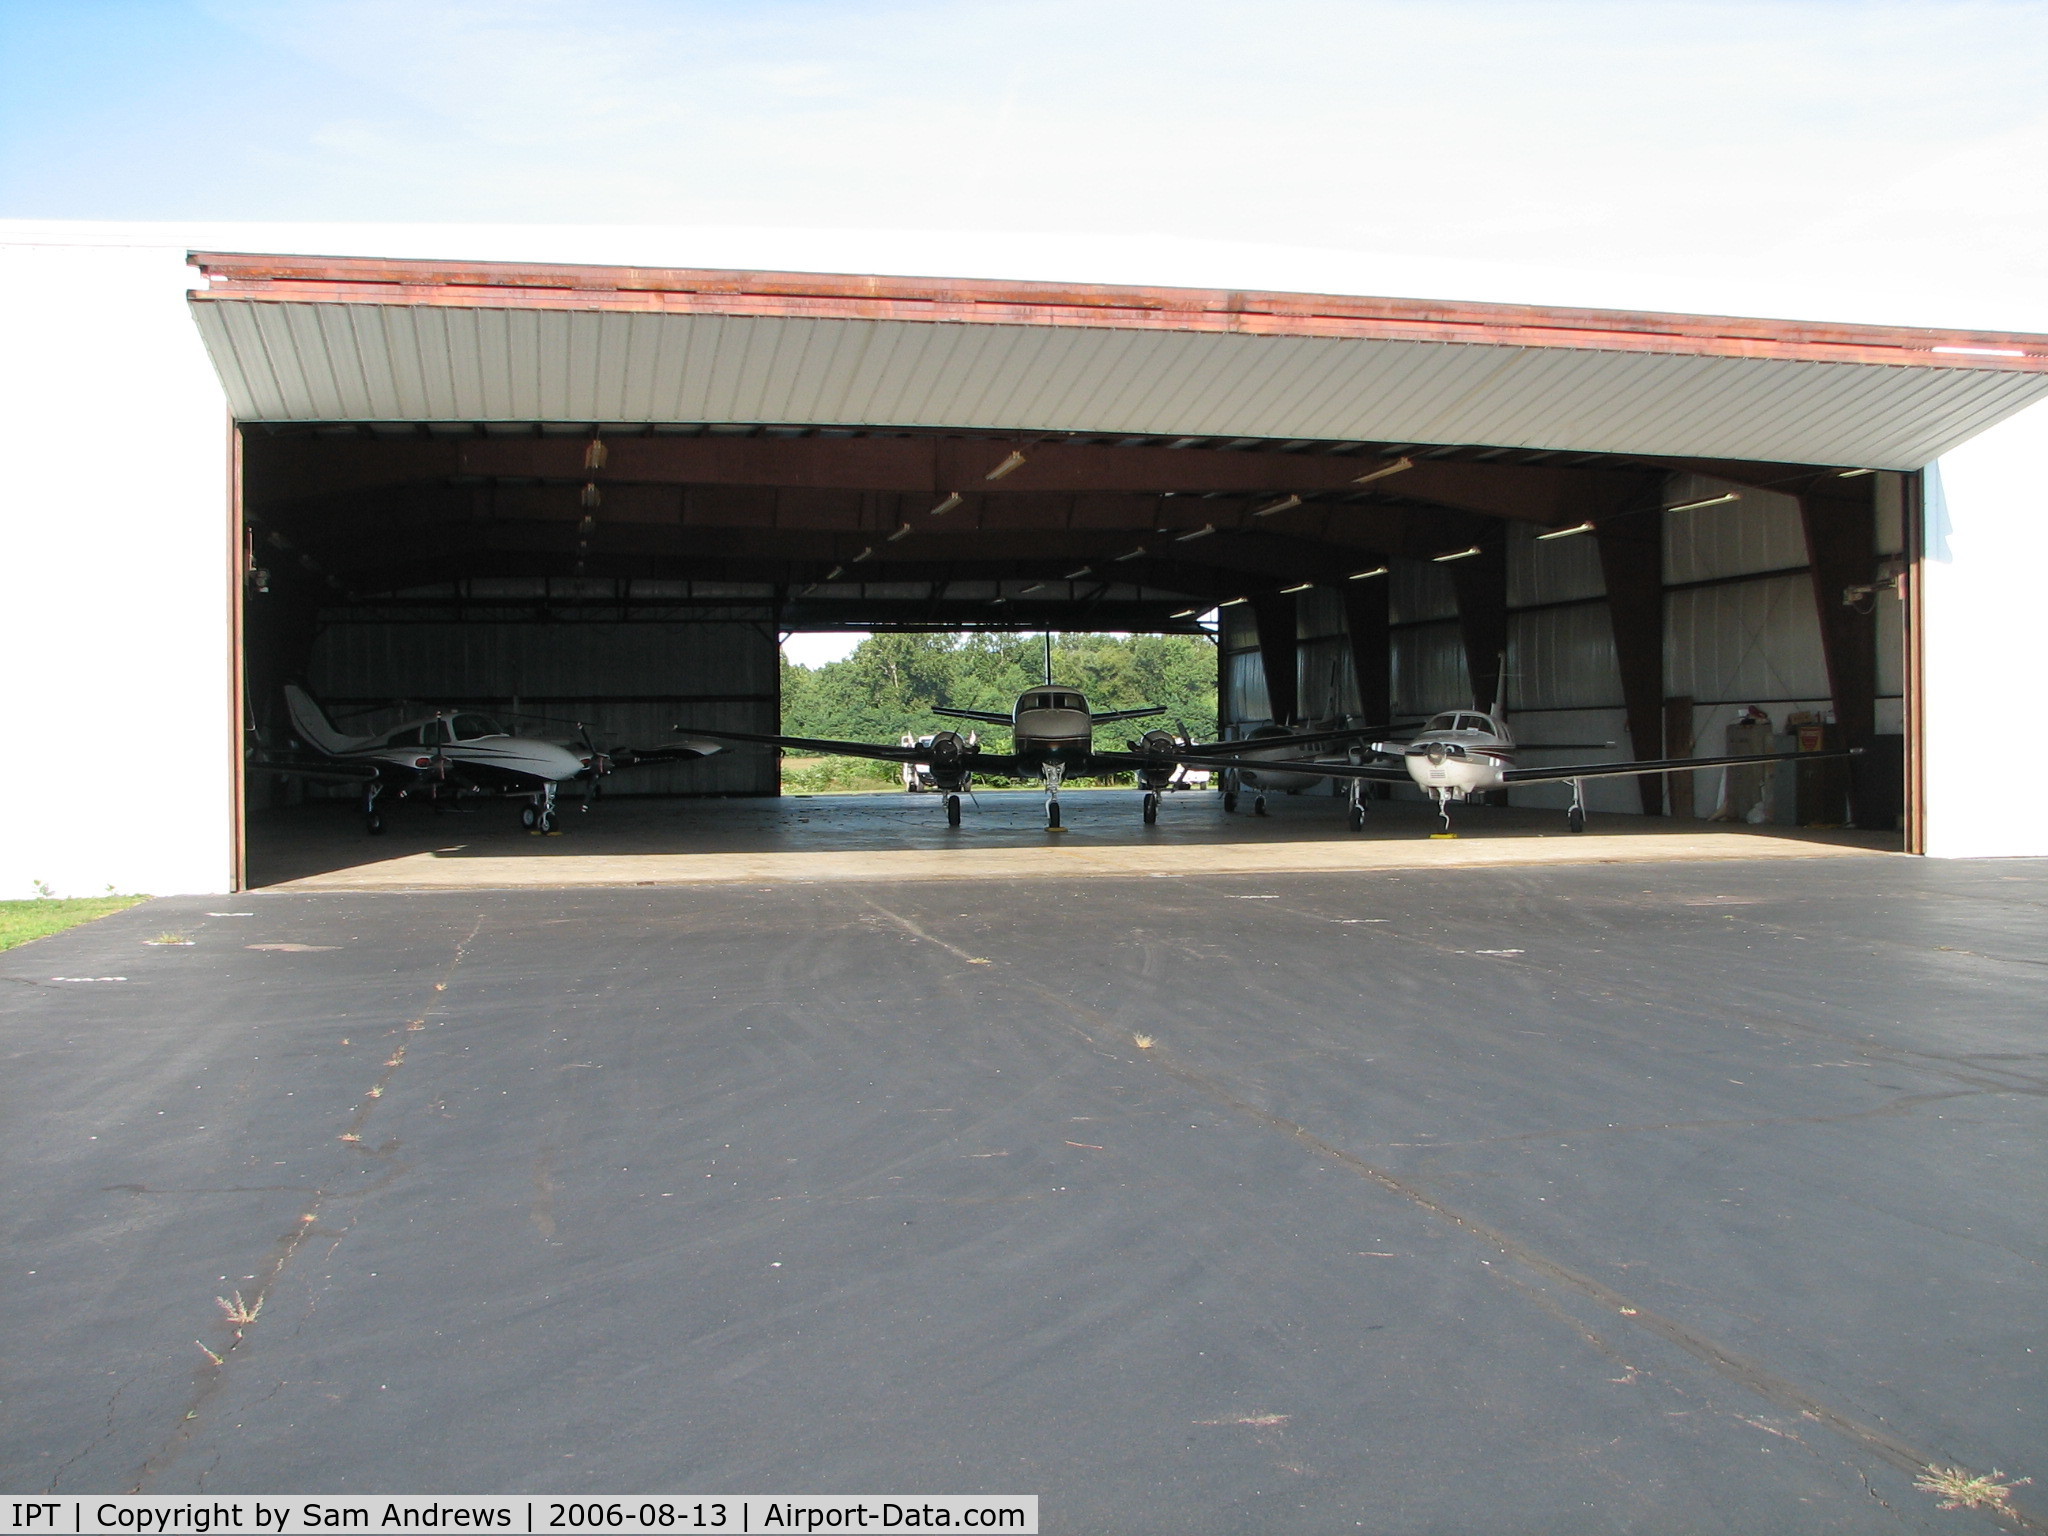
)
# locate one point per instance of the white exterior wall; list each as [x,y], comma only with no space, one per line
[1982,607]
[118,725]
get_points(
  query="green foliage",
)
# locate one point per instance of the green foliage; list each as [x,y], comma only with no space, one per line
[21,921]
[837,775]
[888,686]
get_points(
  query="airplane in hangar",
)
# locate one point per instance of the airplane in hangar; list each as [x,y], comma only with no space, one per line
[453,753]
[1052,739]
[1465,752]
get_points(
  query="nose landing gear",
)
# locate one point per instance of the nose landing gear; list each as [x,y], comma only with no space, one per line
[952,810]
[1575,818]
[1151,807]
[538,816]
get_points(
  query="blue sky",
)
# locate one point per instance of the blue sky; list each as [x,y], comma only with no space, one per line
[1618,133]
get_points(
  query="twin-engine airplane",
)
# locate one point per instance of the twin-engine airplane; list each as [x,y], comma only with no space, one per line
[445,755]
[1466,752]
[1052,732]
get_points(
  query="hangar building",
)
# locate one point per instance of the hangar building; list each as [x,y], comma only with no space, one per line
[579,488]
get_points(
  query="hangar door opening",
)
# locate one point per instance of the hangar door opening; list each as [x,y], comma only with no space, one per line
[1661,521]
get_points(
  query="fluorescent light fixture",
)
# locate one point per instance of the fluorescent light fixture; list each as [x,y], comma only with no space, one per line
[1188,613]
[1086,570]
[863,555]
[1851,474]
[1385,470]
[1014,462]
[1133,555]
[951,501]
[1565,533]
[1200,533]
[1711,501]
[835,573]
[1378,570]
[1232,602]
[1036,586]
[1456,554]
[591,496]
[1284,504]
[1302,588]
[1982,351]
[997,602]
[901,533]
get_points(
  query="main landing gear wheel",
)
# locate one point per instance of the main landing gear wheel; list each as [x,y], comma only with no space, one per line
[952,810]
[1151,808]
[529,816]
[1259,806]
[373,823]
[1229,800]
[1575,818]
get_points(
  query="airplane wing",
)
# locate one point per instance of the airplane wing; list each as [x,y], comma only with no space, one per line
[1109,717]
[992,764]
[325,773]
[687,750]
[1125,762]
[1296,739]
[987,717]
[1663,765]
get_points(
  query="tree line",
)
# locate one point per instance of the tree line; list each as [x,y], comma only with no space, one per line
[891,681]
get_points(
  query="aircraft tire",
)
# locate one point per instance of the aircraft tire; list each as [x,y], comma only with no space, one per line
[544,822]
[952,810]
[373,823]
[1575,818]
[1151,808]
[1259,806]
[1229,800]
[529,816]
[1358,818]
[1052,814]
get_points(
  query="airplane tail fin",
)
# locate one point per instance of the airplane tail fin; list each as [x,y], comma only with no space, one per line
[1500,688]
[311,722]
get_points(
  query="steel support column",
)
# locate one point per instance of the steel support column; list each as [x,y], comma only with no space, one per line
[1279,656]
[1841,548]
[1481,584]
[1632,565]
[1372,651]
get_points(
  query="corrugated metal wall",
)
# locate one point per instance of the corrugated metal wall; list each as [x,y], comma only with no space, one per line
[1741,628]
[621,677]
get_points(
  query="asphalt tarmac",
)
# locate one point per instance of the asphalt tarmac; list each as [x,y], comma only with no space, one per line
[1702,1198]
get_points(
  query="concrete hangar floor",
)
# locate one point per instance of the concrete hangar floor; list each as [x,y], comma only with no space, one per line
[647,840]
[1672,1195]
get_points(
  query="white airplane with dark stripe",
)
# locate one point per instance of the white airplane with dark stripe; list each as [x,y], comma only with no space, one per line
[452,753]
[1466,752]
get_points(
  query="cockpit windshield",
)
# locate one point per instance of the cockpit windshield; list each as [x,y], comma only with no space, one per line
[1442,723]
[470,727]
[1053,701]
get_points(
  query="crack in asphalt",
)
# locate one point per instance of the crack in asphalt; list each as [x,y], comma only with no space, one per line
[212,1378]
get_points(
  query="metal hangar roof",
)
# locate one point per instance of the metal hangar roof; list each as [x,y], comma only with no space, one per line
[300,339]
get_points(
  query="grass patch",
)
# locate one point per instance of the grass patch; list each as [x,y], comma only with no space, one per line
[838,775]
[21,921]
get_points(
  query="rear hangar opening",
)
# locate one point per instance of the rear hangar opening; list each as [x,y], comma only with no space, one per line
[639,573]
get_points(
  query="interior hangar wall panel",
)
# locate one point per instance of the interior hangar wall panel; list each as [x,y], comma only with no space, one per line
[1429,670]
[1761,532]
[1244,688]
[1420,590]
[397,362]
[1562,658]
[1748,640]
[573,672]
[1327,687]
[1551,570]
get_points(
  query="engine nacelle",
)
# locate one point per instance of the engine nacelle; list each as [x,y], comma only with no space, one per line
[952,760]
[1161,750]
